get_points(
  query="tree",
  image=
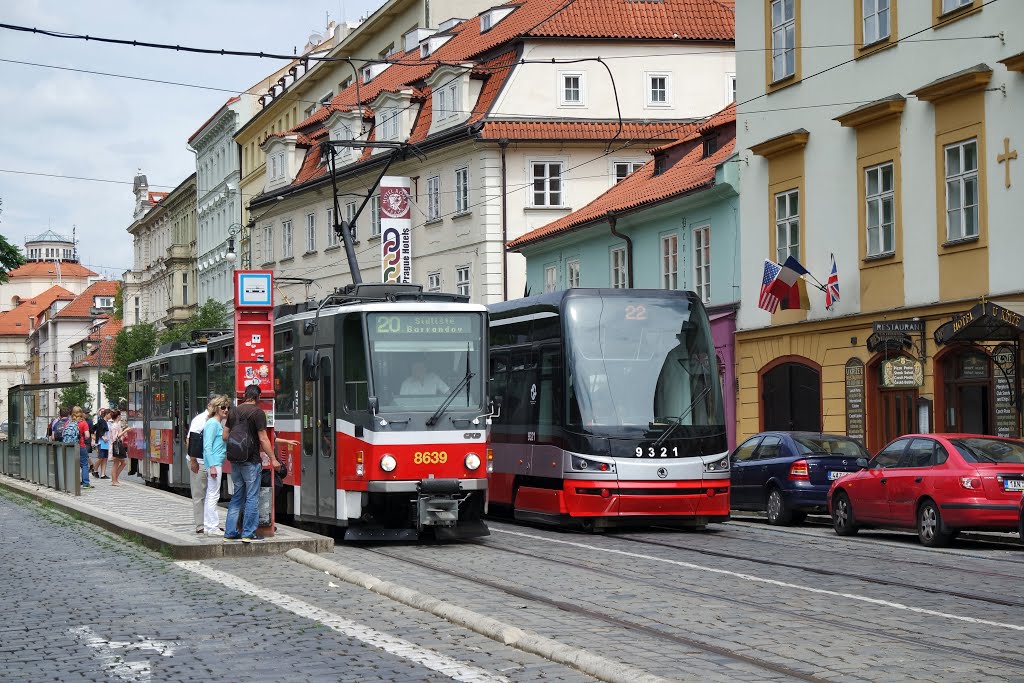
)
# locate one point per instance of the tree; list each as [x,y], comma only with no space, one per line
[213,315]
[119,303]
[10,255]
[131,344]
[77,395]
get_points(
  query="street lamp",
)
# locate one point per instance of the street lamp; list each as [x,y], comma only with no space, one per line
[99,368]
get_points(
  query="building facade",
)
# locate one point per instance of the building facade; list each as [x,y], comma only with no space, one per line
[671,224]
[900,162]
[502,146]
[51,261]
[161,287]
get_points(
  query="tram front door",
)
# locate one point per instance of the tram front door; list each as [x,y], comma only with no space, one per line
[319,465]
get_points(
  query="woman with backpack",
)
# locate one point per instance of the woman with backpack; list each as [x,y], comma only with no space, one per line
[77,429]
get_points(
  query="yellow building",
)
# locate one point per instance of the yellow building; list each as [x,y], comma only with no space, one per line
[895,153]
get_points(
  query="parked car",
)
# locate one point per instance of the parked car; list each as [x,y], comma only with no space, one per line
[938,484]
[788,474]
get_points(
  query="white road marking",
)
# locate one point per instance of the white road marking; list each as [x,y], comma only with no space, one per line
[113,653]
[454,669]
[772,582]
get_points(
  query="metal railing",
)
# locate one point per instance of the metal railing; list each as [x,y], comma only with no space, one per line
[53,465]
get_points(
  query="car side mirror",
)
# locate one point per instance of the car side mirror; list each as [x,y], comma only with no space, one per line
[862,463]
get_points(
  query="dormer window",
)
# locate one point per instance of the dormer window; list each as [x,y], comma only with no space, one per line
[371,71]
[326,99]
[275,166]
[492,16]
[446,101]
[660,164]
[367,74]
[709,144]
[103,302]
[387,119]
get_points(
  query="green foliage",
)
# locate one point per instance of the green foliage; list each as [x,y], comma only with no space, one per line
[131,344]
[213,315]
[119,303]
[10,255]
[77,395]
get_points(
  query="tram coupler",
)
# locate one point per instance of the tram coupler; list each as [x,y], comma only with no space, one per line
[437,504]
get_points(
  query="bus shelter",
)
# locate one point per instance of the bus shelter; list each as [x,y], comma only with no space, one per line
[27,453]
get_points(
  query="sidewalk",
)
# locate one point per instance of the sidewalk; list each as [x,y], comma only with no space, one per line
[162,521]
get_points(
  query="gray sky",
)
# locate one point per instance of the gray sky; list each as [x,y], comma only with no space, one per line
[76,124]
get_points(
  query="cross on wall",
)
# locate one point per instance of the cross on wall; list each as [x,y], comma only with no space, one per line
[1006,157]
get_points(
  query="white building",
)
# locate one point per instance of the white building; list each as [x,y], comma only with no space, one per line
[892,145]
[508,146]
[51,261]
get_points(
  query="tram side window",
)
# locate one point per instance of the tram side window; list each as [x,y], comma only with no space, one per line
[353,369]
[512,334]
[519,405]
[549,394]
[499,375]
[159,401]
[284,382]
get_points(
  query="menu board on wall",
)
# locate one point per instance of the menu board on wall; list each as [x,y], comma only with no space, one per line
[1005,360]
[855,399]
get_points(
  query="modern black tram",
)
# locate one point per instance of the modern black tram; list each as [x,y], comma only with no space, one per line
[611,410]
[365,449]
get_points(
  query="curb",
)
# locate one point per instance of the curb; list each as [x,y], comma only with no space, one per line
[506,634]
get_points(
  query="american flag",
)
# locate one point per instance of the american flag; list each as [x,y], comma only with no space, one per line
[769,301]
[832,286]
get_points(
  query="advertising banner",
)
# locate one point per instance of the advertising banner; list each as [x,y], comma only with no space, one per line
[395,229]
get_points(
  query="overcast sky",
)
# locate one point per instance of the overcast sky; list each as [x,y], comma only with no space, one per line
[91,126]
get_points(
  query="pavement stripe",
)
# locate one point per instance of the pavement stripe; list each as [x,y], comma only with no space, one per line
[454,669]
[772,582]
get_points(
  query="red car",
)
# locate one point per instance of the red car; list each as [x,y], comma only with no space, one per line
[938,484]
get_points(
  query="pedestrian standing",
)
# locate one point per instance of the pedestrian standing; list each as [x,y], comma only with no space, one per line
[101,438]
[78,424]
[246,435]
[118,448]
[56,427]
[196,465]
[214,451]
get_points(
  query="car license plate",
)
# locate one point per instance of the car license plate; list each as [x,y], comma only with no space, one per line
[832,476]
[1013,484]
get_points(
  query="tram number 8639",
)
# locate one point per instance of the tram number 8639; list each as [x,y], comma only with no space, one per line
[429,457]
[651,452]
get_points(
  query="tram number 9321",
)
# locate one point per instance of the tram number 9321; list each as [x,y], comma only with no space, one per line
[652,452]
[429,458]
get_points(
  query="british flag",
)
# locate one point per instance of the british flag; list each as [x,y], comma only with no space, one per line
[767,300]
[832,286]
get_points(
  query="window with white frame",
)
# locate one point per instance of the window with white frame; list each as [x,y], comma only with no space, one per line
[571,89]
[702,262]
[332,237]
[962,190]
[730,86]
[461,190]
[550,278]
[286,239]
[783,39]
[787,225]
[434,281]
[268,244]
[462,280]
[880,209]
[572,273]
[375,216]
[389,123]
[876,20]
[310,233]
[441,100]
[659,90]
[274,166]
[619,275]
[624,168]
[547,183]
[670,261]
[350,216]
[950,5]
[104,302]
[454,103]
[433,198]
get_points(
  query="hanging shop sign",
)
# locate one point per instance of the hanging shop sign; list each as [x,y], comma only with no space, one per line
[902,372]
[1006,400]
[855,399]
[396,229]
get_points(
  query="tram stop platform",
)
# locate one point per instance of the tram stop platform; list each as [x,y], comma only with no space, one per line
[161,520]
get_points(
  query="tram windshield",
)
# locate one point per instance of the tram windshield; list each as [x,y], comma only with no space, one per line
[419,360]
[638,365]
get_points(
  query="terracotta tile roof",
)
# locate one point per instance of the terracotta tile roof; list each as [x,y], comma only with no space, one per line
[687,19]
[45,268]
[641,188]
[155,197]
[105,352]
[79,308]
[18,320]
[697,129]
[580,130]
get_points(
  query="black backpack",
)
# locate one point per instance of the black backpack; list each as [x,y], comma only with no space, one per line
[242,443]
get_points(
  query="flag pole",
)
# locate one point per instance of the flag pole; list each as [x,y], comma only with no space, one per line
[816,283]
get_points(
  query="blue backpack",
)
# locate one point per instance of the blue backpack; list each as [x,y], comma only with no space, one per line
[69,433]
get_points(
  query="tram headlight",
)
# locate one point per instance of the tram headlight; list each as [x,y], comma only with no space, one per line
[717,466]
[472,461]
[585,465]
[388,462]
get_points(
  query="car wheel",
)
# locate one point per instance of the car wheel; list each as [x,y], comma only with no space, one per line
[929,526]
[842,515]
[778,510]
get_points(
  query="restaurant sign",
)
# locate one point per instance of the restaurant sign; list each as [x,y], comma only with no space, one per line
[902,372]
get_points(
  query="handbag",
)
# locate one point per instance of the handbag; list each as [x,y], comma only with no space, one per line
[120,449]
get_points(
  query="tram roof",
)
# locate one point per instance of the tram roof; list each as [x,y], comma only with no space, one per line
[553,300]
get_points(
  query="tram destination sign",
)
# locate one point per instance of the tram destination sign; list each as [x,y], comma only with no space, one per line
[428,326]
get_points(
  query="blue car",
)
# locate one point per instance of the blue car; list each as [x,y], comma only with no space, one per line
[788,474]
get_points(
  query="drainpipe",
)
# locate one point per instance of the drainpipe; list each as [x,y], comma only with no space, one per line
[503,144]
[629,248]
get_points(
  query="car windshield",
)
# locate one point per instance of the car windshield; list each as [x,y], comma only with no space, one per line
[990,450]
[829,445]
